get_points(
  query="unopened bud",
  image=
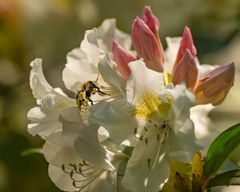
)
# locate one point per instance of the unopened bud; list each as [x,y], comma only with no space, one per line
[147,45]
[186,43]
[186,71]
[122,58]
[214,86]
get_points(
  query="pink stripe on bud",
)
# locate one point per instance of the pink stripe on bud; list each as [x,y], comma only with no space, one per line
[186,43]
[186,71]
[214,86]
[147,45]
[150,20]
[122,58]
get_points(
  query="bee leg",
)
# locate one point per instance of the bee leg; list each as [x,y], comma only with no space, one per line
[102,93]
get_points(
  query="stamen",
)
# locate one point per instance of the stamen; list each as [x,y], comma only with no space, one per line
[145,129]
[163,126]
[85,163]
[135,134]
[135,130]
[82,177]
[88,183]
[161,139]
[146,141]
[152,165]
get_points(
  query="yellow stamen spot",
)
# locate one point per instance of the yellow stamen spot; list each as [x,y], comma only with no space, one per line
[150,106]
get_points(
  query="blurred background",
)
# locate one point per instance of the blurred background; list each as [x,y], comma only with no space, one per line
[49,29]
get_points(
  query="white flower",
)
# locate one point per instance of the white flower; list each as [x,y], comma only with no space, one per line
[44,118]
[157,116]
[82,66]
[77,161]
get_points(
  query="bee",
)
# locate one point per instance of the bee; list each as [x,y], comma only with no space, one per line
[87,89]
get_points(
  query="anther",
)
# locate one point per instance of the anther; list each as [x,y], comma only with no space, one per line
[145,129]
[164,126]
[149,163]
[146,140]
[84,162]
[135,130]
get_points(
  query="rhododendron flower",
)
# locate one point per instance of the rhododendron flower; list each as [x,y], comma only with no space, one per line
[154,119]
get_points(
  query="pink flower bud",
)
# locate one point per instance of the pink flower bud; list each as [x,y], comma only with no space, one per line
[186,43]
[150,20]
[122,58]
[147,45]
[214,86]
[186,71]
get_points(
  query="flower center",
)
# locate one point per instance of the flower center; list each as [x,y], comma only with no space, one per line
[151,107]
[154,111]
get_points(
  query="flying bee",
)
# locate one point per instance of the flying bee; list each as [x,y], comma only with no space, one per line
[83,96]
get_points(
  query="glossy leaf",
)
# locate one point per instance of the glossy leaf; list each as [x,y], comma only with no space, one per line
[220,150]
[227,178]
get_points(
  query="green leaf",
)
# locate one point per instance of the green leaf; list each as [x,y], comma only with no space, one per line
[220,149]
[227,178]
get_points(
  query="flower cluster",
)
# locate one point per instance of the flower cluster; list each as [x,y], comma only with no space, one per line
[136,107]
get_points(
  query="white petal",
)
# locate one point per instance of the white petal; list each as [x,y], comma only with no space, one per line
[41,123]
[64,164]
[204,128]
[69,179]
[115,117]
[38,83]
[171,52]
[62,180]
[78,70]
[138,176]
[108,31]
[104,183]
[110,75]
[182,142]
[91,48]
[183,100]
[72,122]
[44,119]
[60,155]
[142,80]
[57,153]
[123,39]
[182,138]
[88,147]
